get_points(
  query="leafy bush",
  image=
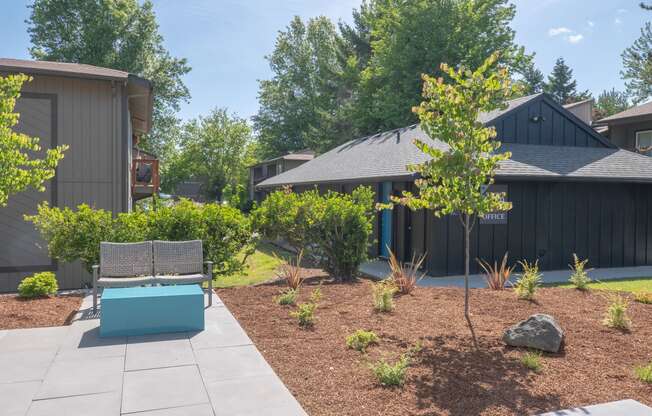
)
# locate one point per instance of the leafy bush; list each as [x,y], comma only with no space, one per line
[616,315]
[382,294]
[643,297]
[644,373]
[496,277]
[281,215]
[391,374]
[579,277]
[41,284]
[405,277]
[361,339]
[305,313]
[334,228]
[288,297]
[76,235]
[530,280]
[291,272]
[532,360]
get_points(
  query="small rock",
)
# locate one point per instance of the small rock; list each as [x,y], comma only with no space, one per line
[540,331]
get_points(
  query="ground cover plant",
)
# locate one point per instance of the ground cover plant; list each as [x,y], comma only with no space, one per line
[361,339]
[530,280]
[532,360]
[579,276]
[449,376]
[644,373]
[39,285]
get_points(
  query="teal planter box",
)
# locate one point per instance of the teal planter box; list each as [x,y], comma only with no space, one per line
[151,310]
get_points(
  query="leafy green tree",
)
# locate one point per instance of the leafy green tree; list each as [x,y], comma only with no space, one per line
[611,102]
[454,181]
[118,34]
[637,66]
[410,38]
[300,106]
[213,150]
[531,81]
[20,165]
[561,85]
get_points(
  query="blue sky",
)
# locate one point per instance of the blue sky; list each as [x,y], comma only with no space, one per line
[225,41]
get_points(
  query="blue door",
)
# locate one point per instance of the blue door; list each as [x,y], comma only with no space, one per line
[385,220]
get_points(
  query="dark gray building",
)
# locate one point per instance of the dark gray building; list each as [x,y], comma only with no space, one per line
[572,190]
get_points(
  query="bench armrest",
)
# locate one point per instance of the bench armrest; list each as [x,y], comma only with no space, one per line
[96,268]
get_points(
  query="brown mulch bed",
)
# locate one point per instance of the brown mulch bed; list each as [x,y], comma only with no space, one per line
[16,312]
[449,376]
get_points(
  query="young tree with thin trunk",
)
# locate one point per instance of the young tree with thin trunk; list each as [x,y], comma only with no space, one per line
[454,181]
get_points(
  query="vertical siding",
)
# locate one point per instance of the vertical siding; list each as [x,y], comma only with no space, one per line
[554,127]
[608,223]
[89,121]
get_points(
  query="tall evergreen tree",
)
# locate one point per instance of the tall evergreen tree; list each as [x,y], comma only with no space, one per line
[637,66]
[118,34]
[561,85]
[531,81]
[611,102]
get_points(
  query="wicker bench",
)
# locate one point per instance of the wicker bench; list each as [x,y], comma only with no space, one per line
[151,263]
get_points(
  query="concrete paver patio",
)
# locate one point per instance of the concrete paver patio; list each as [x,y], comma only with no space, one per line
[72,371]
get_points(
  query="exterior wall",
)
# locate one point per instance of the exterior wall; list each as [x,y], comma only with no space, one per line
[87,116]
[610,224]
[555,127]
[624,135]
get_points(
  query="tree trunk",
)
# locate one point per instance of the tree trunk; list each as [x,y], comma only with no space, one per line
[467,233]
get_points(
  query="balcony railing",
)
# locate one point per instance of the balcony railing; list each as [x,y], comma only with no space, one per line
[145,179]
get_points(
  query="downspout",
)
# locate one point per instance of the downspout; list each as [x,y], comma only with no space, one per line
[126,164]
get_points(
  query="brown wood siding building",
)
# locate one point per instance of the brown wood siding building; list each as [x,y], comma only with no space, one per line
[91,117]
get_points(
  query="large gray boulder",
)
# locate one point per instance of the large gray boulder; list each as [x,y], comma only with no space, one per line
[540,331]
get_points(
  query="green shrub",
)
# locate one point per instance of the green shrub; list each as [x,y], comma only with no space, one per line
[529,281]
[532,360]
[333,228]
[76,235]
[281,215]
[579,277]
[643,297]
[41,284]
[382,294]
[644,373]
[361,339]
[288,297]
[391,374]
[616,315]
[316,294]
[305,314]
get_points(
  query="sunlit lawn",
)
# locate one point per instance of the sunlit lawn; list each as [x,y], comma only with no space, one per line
[643,284]
[260,267]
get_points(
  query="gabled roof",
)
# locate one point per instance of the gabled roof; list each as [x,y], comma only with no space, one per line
[384,156]
[642,110]
[305,154]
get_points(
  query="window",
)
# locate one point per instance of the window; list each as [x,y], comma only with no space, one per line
[644,142]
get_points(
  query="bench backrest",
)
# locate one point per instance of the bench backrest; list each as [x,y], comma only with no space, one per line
[178,257]
[126,259]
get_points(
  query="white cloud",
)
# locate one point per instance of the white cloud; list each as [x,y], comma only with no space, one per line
[555,31]
[575,38]
[621,11]
[618,21]
[590,23]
